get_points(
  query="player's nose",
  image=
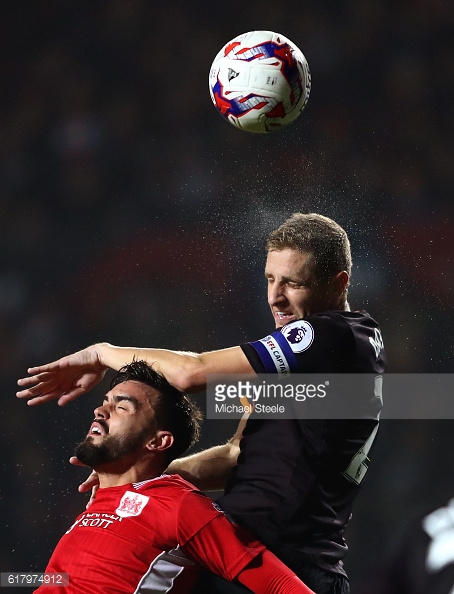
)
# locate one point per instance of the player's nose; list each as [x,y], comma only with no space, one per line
[276,294]
[101,412]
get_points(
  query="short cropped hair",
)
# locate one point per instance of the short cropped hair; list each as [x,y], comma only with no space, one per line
[173,410]
[317,235]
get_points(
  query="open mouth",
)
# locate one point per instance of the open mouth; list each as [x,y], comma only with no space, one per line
[98,428]
[281,315]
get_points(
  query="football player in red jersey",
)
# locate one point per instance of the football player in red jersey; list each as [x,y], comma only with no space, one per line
[147,531]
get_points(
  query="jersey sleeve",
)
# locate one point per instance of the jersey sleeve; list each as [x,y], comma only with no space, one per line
[271,354]
[208,537]
[268,575]
[316,344]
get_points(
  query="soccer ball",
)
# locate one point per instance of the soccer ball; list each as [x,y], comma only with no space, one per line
[260,81]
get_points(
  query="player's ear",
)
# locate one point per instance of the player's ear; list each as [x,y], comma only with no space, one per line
[340,282]
[162,440]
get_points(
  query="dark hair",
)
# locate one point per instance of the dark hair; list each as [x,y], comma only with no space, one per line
[174,411]
[317,235]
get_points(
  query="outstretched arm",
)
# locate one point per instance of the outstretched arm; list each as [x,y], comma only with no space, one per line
[76,374]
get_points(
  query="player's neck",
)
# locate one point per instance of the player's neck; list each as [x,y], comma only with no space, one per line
[134,474]
[337,305]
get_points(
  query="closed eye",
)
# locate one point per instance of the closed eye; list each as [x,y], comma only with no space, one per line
[125,402]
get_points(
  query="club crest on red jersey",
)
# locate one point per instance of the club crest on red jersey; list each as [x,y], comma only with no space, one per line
[131,504]
[299,335]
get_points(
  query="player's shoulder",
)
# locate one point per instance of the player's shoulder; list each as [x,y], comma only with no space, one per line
[336,331]
[343,318]
[346,322]
[166,481]
[330,322]
[189,503]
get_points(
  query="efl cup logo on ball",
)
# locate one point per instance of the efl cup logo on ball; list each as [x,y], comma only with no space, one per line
[260,81]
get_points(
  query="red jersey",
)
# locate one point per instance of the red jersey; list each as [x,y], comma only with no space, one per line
[149,537]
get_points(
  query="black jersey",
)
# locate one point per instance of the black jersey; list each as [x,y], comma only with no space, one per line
[296,480]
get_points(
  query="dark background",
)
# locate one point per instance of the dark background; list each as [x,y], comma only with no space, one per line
[131,212]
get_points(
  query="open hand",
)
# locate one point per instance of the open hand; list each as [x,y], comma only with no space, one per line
[65,379]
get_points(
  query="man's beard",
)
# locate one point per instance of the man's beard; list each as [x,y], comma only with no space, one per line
[111,449]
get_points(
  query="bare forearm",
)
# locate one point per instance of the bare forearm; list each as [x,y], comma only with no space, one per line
[179,368]
[185,370]
[207,470]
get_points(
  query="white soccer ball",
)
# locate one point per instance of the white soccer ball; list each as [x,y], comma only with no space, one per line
[260,81]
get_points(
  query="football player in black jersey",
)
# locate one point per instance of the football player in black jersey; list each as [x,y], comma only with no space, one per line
[294,482]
